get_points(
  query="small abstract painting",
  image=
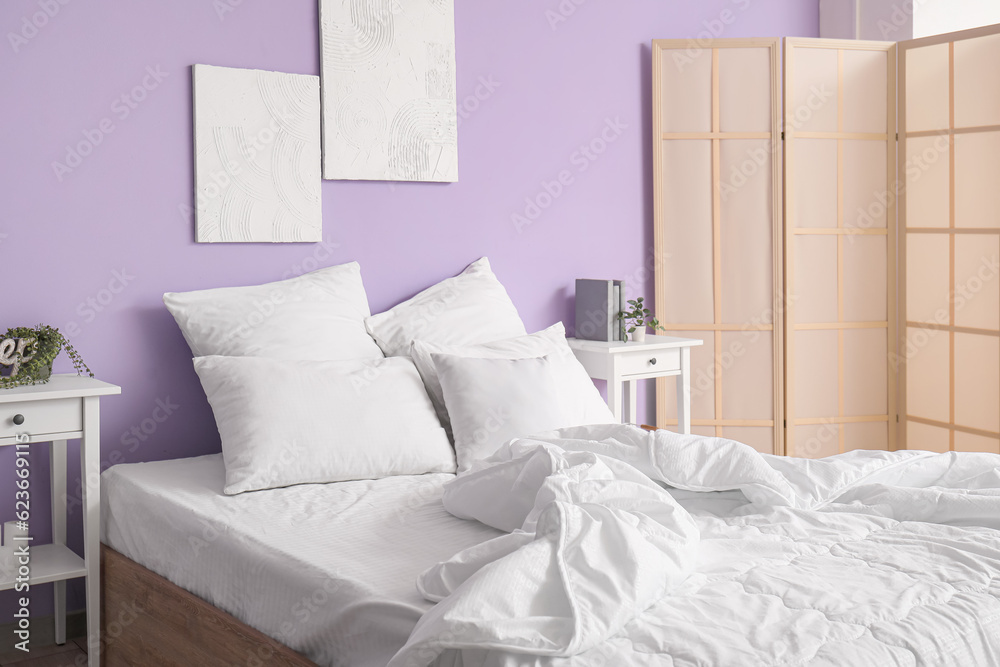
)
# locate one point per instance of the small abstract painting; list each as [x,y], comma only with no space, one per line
[389,102]
[257,156]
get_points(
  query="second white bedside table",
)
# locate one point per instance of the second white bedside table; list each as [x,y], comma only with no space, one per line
[620,363]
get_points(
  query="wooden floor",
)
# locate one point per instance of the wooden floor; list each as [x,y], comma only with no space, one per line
[49,656]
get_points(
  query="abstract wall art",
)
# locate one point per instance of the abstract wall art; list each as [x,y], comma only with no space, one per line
[389,103]
[257,156]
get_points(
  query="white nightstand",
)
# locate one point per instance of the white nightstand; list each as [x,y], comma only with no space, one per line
[63,409]
[657,356]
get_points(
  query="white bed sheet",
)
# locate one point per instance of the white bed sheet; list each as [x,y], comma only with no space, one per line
[327,569]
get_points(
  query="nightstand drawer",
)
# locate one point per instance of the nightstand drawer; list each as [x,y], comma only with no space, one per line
[643,362]
[61,415]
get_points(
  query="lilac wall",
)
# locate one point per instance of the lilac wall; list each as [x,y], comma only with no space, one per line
[92,246]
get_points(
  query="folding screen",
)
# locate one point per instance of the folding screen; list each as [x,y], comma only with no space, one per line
[950,290]
[717,226]
[799,317]
[839,246]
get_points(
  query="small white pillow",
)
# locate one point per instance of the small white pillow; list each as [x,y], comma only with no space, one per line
[572,377]
[473,307]
[318,315]
[287,422]
[491,401]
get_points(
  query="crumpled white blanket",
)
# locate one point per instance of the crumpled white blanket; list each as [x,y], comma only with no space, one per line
[599,542]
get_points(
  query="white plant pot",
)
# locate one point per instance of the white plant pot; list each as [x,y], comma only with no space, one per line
[638,336]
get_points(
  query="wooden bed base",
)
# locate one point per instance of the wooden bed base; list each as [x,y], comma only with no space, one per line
[149,621]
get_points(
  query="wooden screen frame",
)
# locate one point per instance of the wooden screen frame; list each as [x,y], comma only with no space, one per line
[951,231]
[790,134]
[716,136]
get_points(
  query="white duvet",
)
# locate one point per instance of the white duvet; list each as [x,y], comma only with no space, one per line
[628,548]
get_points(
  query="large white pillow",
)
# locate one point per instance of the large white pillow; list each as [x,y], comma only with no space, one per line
[473,307]
[287,422]
[551,342]
[491,401]
[318,315]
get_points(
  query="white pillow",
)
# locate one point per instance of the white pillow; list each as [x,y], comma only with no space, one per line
[491,401]
[551,342]
[318,315]
[287,422]
[473,307]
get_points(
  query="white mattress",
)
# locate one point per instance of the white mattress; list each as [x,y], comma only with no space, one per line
[327,569]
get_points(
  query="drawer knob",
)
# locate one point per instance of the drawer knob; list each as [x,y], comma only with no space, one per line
[652,362]
[18,419]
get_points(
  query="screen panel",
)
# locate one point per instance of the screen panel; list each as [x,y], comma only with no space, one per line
[977,86]
[839,246]
[812,197]
[926,86]
[865,82]
[977,163]
[760,438]
[744,104]
[873,435]
[950,243]
[717,218]
[687,276]
[703,382]
[925,160]
[746,235]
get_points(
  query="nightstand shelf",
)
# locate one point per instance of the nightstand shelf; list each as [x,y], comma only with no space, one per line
[49,562]
[622,364]
[65,408]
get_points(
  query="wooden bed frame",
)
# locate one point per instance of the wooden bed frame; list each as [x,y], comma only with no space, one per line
[147,620]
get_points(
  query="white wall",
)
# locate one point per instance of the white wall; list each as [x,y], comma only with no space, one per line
[896,20]
[886,20]
[878,20]
[933,17]
[838,19]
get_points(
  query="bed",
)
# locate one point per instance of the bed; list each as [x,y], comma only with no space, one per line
[465,543]
[327,570]
[903,569]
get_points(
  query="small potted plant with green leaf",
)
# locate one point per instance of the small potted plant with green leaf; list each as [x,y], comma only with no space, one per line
[636,319]
[26,355]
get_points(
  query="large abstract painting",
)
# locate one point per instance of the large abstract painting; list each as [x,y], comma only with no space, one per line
[389,105]
[257,156]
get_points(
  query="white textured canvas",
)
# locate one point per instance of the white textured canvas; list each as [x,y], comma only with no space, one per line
[257,156]
[389,104]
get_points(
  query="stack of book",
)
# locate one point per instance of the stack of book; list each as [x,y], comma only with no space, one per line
[598,303]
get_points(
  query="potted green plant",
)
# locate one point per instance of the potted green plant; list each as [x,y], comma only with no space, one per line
[636,319]
[26,355]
